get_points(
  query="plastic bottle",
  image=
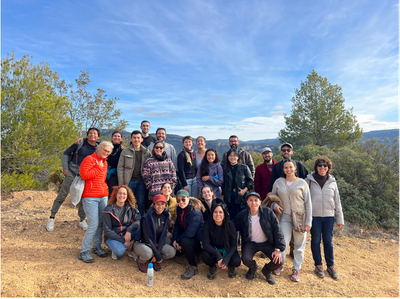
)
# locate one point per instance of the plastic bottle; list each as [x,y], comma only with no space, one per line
[150,275]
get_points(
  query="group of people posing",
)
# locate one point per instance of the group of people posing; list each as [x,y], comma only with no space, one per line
[219,206]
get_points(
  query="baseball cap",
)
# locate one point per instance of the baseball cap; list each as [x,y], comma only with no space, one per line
[253,193]
[266,149]
[159,197]
[287,144]
[183,193]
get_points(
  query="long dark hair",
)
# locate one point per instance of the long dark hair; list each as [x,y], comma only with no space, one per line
[204,166]
[225,225]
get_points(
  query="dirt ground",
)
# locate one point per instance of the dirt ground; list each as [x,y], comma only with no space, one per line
[37,263]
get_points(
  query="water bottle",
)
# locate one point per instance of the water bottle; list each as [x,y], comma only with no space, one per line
[150,275]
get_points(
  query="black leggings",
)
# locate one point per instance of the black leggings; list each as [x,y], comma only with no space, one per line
[190,246]
[210,260]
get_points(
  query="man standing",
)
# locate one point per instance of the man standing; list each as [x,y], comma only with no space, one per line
[147,138]
[277,172]
[244,157]
[161,134]
[130,168]
[263,173]
[260,231]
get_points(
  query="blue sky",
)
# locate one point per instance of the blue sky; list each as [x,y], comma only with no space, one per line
[216,68]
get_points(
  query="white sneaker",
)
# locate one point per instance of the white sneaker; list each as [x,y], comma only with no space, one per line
[114,257]
[50,225]
[83,225]
[133,255]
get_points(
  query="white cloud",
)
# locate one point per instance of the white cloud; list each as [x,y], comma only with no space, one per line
[368,122]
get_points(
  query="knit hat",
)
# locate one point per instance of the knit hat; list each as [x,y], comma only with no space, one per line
[183,193]
[159,197]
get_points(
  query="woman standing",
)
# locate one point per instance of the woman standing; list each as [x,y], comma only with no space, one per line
[112,176]
[158,170]
[326,206]
[187,166]
[209,201]
[121,220]
[219,242]
[295,196]
[210,172]
[152,243]
[201,150]
[238,181]
[188,230]
[94,199]
[171,205]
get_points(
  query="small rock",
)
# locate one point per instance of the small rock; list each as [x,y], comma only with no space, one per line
[372,241]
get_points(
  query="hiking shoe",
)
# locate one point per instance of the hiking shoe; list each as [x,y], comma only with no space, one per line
[251,273]
[133,255]
[319,270]
[295,275]
[211,272]
[332,272]
[83,225]
[190,271]
[99,251]
[86,257]
[156,266]
[268,275]
[142,266]
[113,256]
[232,272]
[278,271]
[50,225]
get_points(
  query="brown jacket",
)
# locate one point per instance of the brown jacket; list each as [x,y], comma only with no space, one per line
[269,202]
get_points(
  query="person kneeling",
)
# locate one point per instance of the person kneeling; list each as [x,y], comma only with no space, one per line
[219,242]
[152,243]
[260,231]
[121,220]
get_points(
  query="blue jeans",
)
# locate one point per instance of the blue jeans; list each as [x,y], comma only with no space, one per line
[93,207]
[299,241]
[324,226]
[139,189]
[192,184]
[117,247]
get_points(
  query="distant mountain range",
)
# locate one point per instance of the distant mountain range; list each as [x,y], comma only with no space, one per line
[221,145]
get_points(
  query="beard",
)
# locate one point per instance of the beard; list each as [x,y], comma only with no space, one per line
[234,146]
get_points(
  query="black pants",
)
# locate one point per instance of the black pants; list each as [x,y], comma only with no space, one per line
[190,246]
[210,260]
[111,182]
[251,248]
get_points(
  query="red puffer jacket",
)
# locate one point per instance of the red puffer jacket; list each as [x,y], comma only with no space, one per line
[94,176]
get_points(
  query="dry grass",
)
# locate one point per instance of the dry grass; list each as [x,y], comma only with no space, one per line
[36,263]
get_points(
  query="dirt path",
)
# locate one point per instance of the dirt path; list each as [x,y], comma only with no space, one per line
[36,263]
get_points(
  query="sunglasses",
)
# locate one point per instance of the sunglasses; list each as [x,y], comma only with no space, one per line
[286,150]
[179,200]
[324,165]
[158,147]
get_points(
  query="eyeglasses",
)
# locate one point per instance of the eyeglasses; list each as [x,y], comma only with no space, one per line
[286,150]
[178,200]
[106,151]
[322,165]
[158,147]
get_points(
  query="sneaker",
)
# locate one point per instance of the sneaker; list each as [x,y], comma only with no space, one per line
[156,266]
[319,270]
[113,256]
[190,271]
[86,257]
[268,275]
[99,251]
[332,272]
[133,255]
[83,225]
[251,273]
[295,275]
[278,271]
[142,267]
[211,272]
[232,272]
[50,225]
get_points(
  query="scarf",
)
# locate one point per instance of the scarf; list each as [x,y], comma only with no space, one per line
[160,158]
[189,155]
